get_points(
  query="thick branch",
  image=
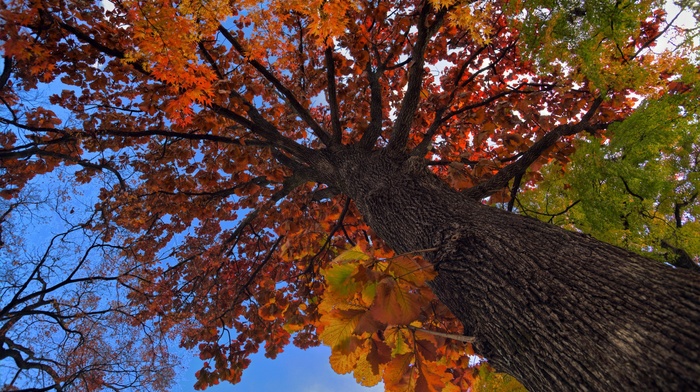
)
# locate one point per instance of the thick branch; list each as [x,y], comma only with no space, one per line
[519,167]
[424,146]
[21,363]
[264,129]
[404,119]
[376,112]
[6,70]
[291,98]
[333,97]
[514,191]
[683,259]
[677,209]
[116,53]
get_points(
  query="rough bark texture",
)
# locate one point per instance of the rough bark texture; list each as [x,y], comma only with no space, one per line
[556,309]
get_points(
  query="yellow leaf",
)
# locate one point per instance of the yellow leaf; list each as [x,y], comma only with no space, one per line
[338,326]
[343,363]
[353,254]
[397,341]
[396,369]
[364,374]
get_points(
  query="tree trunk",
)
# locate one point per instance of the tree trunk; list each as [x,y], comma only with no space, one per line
[558,310]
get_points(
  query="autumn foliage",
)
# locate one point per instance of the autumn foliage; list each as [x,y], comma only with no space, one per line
[201,124]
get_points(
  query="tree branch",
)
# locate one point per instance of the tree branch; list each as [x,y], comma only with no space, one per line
[291,98]
[6,70]
[36,151]
[409,104]
[339,224]
[676,209]
[337,137]
[270,134]
[290,184]
[683,259]
[453,336]
[264,129]
[376,111]
[186,136]
[519,167]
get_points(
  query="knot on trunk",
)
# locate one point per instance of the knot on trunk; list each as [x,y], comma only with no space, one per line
[448,243]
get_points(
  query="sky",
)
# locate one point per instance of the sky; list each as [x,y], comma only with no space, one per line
[294,370]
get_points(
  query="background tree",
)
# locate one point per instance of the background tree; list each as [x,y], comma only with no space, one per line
[238,147]
[65,322]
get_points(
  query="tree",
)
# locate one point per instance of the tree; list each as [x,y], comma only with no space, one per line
[239,148]
[65,322]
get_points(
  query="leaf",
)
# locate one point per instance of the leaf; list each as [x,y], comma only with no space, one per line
[367,373]
[379,354]
[353,254]
[397,370]
[343,363]
[339,278]
[432,376]
[339,326]
[394,303]
[412,269]
[396,339]
[490,381]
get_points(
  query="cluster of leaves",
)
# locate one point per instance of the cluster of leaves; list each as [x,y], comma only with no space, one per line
[383,323]
[599,40]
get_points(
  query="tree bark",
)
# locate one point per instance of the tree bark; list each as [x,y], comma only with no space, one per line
[556,309]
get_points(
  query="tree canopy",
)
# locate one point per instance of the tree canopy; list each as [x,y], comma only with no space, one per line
[212,134]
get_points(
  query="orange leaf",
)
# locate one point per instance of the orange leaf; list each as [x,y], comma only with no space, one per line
[394,303]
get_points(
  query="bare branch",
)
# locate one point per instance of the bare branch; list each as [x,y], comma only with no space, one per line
[185,136]
[453,336]
[36,151]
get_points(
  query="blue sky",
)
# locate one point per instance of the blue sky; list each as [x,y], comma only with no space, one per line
[294,370]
